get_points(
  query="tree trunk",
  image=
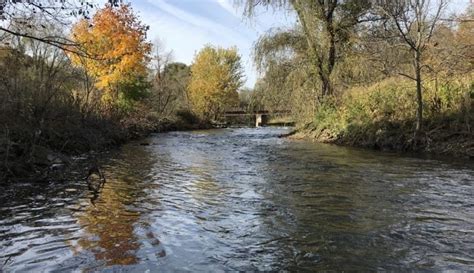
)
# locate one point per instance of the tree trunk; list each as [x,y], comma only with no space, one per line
[419,94]
[325,85]
[331,52]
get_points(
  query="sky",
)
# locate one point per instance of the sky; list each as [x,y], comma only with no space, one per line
[185,26]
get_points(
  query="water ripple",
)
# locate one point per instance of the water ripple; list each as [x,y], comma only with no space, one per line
[245,200]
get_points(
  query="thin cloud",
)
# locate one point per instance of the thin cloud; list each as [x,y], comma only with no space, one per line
[187,25]
[227,5]
[197,21]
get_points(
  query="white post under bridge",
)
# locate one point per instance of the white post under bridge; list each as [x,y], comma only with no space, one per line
[258,120]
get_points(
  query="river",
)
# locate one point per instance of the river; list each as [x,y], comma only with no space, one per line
[244,199]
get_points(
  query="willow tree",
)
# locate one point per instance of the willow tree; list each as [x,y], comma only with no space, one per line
[326,25]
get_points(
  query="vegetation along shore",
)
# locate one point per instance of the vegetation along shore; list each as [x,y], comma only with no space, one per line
[392,75]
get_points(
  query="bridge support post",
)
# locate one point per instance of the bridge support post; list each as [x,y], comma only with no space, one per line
[258,120]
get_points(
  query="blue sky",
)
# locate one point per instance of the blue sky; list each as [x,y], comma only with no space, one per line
[185,26]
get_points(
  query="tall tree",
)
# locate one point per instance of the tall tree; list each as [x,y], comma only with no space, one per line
[169,82]
[414,22]
[327,26]
[161,94]
[116,39]
[216,75]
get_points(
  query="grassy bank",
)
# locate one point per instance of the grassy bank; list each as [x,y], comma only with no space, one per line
[382,116]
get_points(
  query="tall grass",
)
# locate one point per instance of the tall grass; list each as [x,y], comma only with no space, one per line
[383,114]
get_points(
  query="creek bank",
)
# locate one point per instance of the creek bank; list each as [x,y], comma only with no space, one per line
[44,162]
[382,116]
[436,139]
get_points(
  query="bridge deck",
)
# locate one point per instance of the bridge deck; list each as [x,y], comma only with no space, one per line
[245,113]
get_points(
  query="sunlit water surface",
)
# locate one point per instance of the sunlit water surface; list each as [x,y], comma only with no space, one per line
[244,199]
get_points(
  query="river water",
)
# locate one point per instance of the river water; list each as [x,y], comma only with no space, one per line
[244,199]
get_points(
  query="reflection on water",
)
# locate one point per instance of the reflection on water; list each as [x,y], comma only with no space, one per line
[243,199]
[109,228]
[109,223]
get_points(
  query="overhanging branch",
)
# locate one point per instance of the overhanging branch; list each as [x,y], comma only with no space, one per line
[65,45]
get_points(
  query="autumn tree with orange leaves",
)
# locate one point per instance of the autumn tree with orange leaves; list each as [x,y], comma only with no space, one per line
[115,41]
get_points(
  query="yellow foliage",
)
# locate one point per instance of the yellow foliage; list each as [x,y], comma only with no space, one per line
[216,75]
[116,42]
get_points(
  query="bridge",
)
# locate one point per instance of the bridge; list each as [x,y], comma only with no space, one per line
[260,115]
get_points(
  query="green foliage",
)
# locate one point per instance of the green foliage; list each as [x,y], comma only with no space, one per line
[328,118]
[363,113]
[135,90]
[279,45]
[170,88]
[337,46]
[321,39]
[132,91]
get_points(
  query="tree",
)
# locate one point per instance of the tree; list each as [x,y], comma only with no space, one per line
[161,94]
[326,25]
[39,90]
[169,82]
[216,75]
[250,100]
[47,71]
[465,37]
[414,22]
[116,40]
[176,77]
[44,12]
